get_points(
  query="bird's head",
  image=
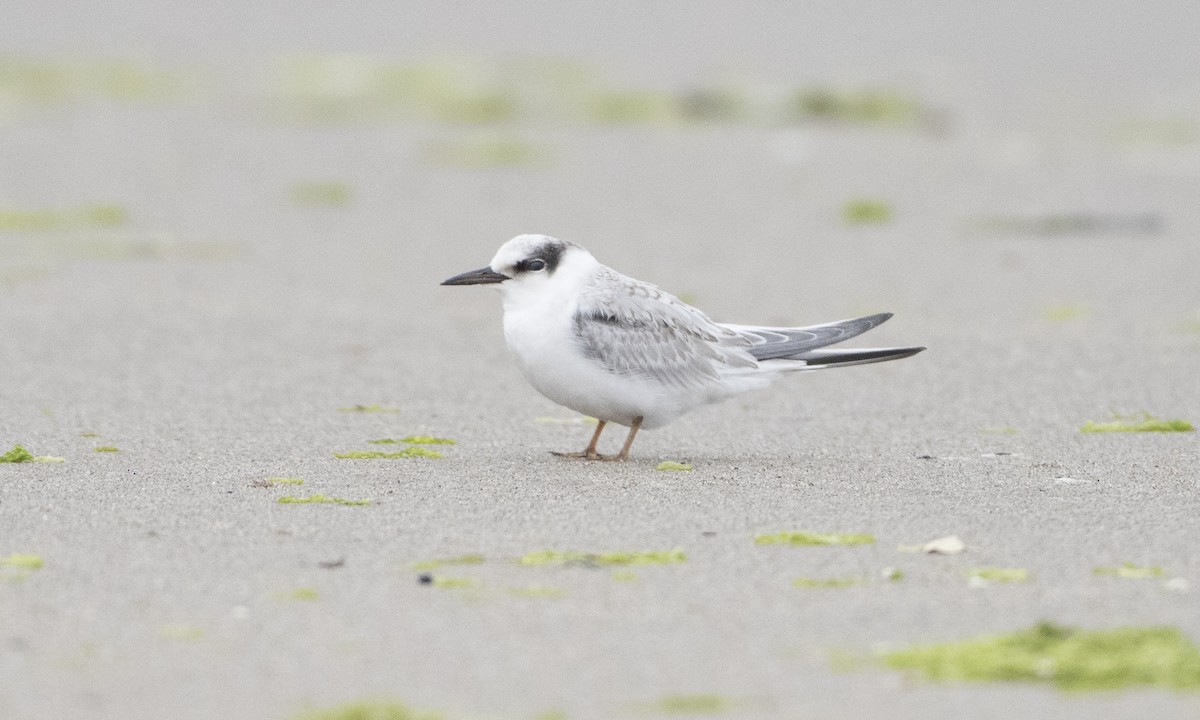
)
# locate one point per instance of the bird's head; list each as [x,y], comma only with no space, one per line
[533,263]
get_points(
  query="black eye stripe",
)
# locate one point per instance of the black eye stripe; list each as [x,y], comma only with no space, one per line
[549,254]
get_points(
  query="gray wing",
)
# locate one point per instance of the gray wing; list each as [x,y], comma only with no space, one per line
[633,328]
[771,343]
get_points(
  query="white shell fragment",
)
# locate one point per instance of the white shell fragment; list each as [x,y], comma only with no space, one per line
[949,545]
[1179,585]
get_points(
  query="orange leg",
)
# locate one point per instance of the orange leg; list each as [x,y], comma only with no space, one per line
[590,453]
[633,431]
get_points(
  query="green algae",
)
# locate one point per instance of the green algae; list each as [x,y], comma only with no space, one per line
[304,594]
[1070,658]
[58,219]
[319,499]
[1130,571]
[694,704]
[17,455]
[382,709]
[415,440]
[24,561]
[468,559]
[53,82]
[285,481]
[1065,313]
[1145,422]
[330,194]
[376,408]
[710,105]
[807,582]
[1000,431]
[629,107]
[789,537]
[453,583]
[892,574]
[997,575]
[376,455]
[624,576]
[672,466]
[604,559]
[866,211]
[186,633]
[866,106]
[108,449]
[486,152]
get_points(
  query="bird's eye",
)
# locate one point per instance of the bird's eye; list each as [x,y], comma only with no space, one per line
[535,265]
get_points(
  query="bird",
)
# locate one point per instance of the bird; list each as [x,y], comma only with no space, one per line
[628,353]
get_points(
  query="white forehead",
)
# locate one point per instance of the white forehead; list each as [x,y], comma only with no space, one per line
[521,248]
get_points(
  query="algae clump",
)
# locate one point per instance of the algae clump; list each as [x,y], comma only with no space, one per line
[670,465]
[321,193]
[607,559]
[1129,570]
[415,440]
[17,455]
[285,481]
[1143,423]
[180,632]
[866,211]
[319,499]
[108,449]
[454,583]
[469,559]
[788,537]
[376,455]
[369,710]
[376,408]
[1070,658]
[1064,313]
[305,594]
[997,575]
[22,560]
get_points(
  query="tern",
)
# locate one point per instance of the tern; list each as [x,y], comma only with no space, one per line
[626,352]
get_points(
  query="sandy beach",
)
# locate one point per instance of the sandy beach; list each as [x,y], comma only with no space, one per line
[222,233]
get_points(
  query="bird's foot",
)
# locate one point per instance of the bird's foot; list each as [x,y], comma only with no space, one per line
[578,455]
[587,456]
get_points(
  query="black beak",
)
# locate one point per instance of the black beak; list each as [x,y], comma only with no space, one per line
[483,276]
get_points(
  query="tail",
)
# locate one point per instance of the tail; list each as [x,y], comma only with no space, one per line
[801,348]
[835,358]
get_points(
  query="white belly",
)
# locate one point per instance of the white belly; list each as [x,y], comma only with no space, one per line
[549,359]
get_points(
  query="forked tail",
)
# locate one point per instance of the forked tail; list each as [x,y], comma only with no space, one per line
[805,348]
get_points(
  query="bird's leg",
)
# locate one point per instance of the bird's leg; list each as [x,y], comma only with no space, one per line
[590,453]
[633,431]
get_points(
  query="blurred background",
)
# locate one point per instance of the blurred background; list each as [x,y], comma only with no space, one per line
[194,177]
[283,167]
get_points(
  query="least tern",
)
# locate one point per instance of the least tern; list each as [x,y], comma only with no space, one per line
[624,351]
